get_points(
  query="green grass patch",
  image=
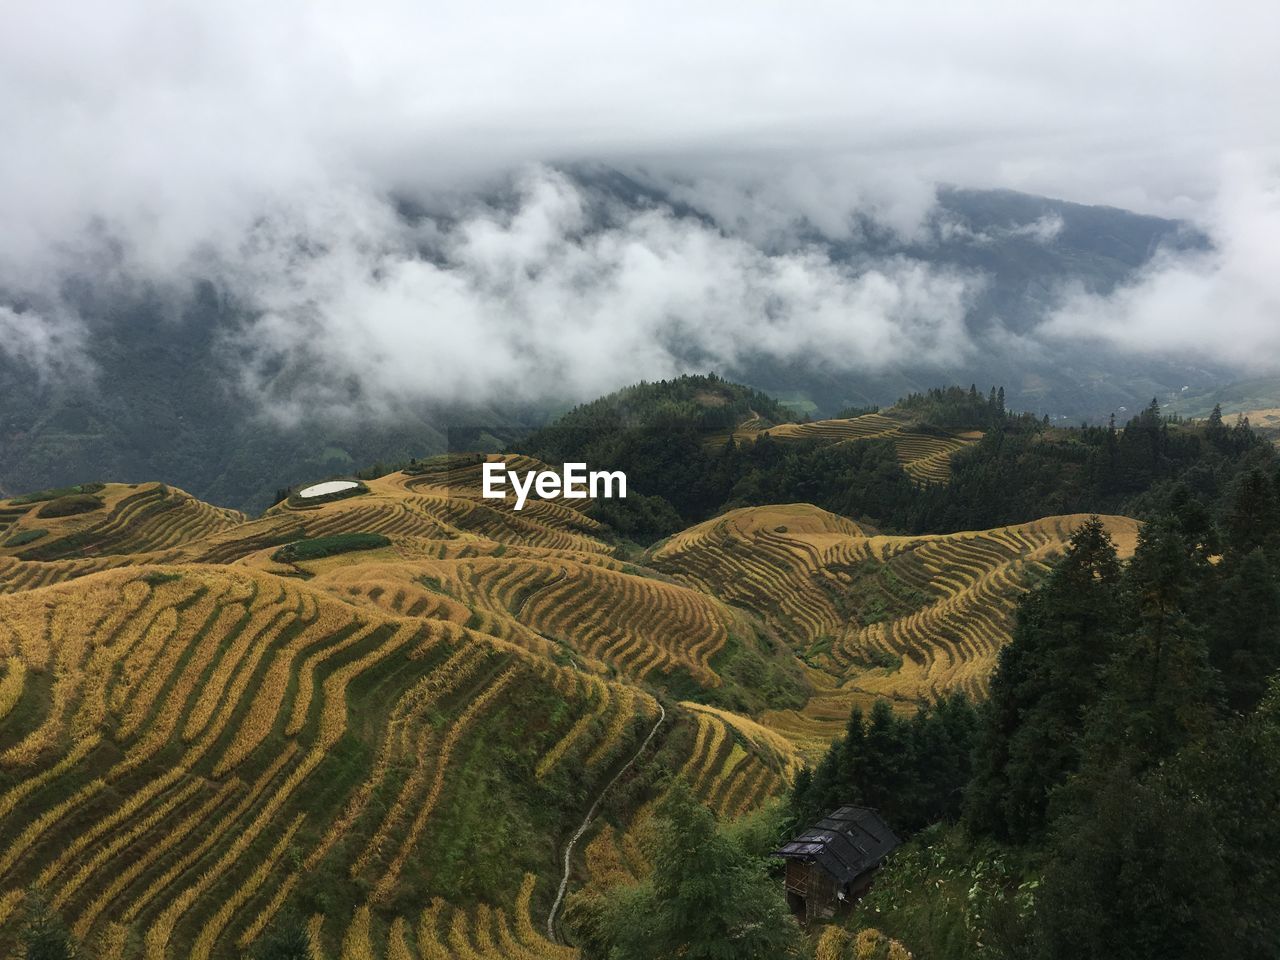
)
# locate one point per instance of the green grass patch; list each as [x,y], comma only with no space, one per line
[23,537]
[945,896]
[54,493]
[820,647]
[70,505]
[318,547]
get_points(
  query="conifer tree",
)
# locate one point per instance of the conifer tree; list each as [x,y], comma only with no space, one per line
[44,936]
[706,898]
[1046,681]
[1160,689]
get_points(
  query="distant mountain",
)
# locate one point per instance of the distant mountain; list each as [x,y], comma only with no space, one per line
[1028,247]
[164,400]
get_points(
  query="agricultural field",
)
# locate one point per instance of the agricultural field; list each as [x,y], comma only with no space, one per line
[924,455]
[112,519]
[186,749]
[900,618]
[387,713]
[391,733]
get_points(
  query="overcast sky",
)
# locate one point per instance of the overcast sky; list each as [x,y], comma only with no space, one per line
[178,130]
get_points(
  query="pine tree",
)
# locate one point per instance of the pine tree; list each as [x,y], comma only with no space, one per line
[802,799]
[1160,689]
[1253,519]
[1134,876]
[706,898]
[1215,430]
[43,935]
[1046,682]
[1243,623]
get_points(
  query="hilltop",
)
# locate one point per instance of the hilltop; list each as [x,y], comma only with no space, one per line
[939,461]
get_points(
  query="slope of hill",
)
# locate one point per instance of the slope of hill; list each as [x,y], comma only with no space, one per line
[925,453]
[100,519]
[393,741]
[388,712]
[905,618]
[194,746]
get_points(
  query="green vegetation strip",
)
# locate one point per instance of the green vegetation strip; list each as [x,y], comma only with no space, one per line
[23,537]
[53,493]
[319,547]
[70,505]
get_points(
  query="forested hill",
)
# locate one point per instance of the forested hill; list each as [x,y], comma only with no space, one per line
[1115,794]
[703,404]
[943,460]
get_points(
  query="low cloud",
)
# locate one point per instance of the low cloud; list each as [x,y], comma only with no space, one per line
[556,292]
[1044,229]
[1222,303]
[49,345]
[266,147]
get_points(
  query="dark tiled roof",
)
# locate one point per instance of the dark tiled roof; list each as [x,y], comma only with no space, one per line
[846,843]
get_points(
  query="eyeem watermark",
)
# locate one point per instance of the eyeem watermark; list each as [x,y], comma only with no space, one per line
[573,483]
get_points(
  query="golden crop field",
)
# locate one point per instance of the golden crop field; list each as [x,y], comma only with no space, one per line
[132,519]
[903,618]
[187,748]
[926,457]
[198,735]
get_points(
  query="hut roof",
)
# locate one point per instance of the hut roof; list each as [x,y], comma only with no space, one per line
[845,843]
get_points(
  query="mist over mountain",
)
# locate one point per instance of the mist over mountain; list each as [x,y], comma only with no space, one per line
[300,239]
[355,341]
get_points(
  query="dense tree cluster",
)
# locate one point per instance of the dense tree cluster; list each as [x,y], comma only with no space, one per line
[955,408]
[1022,468]
[913,770]
[1130,746]
[707,897]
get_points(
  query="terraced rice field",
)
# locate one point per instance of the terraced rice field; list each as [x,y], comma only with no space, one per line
[747,430]
[772,560]
[866,427]
[196,738]
[925,456]
[905,618]
[732,763]
[135,518]
[191,736]
[171,733]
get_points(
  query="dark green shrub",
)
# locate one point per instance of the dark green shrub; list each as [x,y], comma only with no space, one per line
[319,547]
[23,537]
[70,505]
[54,493]
[157,577]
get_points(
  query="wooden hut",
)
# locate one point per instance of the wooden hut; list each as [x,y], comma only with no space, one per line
[831,863]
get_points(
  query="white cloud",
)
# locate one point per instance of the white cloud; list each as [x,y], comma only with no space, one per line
[543,300]
[50,344]
[259,143]
[1222,303]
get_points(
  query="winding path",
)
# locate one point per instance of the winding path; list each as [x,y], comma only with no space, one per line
[586,824]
